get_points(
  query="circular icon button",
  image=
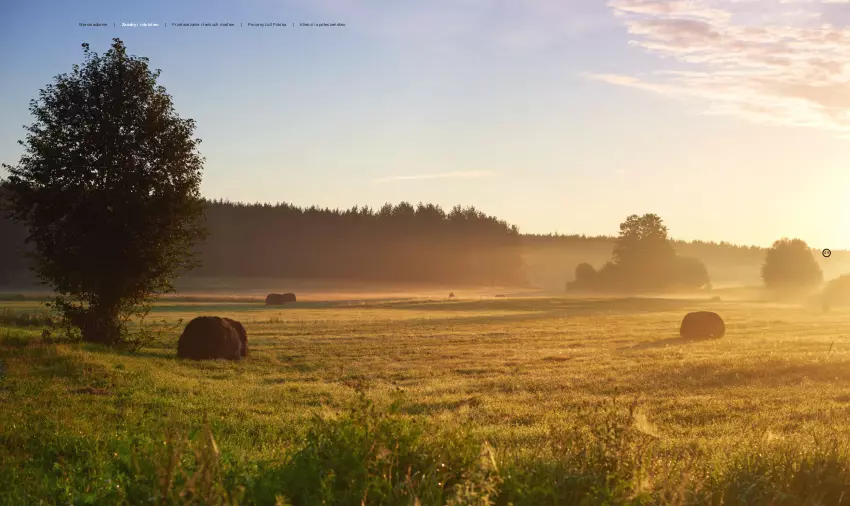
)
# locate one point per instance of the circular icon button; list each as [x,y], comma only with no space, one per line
[826,253]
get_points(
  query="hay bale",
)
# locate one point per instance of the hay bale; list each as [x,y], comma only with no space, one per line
[209,338]
[289,297]
[243,334]
[702,325]
[275,299]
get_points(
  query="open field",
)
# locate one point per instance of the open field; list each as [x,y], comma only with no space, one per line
[758,417]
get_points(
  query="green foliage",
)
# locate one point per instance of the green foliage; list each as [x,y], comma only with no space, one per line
[144,335]
[372,456]
[26,318]
[789,265]
[108,189]
[785,474]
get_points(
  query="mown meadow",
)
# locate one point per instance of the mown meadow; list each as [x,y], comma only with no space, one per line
[524,401]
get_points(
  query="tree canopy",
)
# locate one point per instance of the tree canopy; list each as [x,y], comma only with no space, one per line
[108,190]
[643,259]
[789,265]
[397,243]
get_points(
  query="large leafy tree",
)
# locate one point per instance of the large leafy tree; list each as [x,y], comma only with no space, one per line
[790,266]
[643,252]
[109,189]
[643,259]
[643,240]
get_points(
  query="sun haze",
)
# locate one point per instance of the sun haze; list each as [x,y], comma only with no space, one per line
[728,118]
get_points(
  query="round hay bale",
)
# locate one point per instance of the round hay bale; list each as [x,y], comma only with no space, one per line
[275,299]
[702,325]
[243,334]
[288,297]
[209,338]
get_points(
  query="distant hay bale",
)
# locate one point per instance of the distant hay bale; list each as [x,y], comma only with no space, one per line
[210,338]
[500,296]
[715,299]
[702,325]
[241,332]
[275,299]
[288,297]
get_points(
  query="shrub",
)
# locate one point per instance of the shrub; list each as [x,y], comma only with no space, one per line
[837,292]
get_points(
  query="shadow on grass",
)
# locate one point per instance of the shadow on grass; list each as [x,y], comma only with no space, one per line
[44,362]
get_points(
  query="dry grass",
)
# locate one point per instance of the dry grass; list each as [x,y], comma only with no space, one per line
[514,373]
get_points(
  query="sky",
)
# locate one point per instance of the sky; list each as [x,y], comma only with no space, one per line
[728,118]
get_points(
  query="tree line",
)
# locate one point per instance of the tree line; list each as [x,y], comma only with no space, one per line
[721,252]
[396,243]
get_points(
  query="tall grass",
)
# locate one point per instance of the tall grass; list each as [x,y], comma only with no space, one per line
[499,409]
[18,318]
[368,456]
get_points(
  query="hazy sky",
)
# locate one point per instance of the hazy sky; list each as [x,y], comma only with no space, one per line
[729,118]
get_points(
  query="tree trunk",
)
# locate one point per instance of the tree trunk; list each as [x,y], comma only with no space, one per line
[100,325]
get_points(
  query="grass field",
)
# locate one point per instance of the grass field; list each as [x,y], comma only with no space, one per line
[514,401]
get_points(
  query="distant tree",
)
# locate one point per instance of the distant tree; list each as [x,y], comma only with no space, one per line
[108,189]
[585,273]
[790,266]
[643,239]
[643,260]
[643,252]
[690,273]
[836,292]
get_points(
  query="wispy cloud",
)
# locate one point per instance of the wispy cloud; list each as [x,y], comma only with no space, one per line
[781,62]
[440,175]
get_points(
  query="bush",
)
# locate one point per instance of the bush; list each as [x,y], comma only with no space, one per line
[377,457]
[837,292]
[585,273]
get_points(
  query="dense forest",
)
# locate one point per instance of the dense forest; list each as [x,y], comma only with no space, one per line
[402,243]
